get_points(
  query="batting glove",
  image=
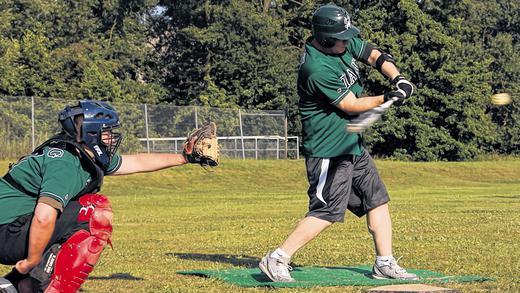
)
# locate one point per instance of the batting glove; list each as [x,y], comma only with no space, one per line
[398,97]
[403,86]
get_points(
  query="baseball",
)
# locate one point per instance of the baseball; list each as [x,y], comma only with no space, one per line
[501,99]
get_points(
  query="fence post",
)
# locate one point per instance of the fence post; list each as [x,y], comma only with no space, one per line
[256,148]
[196,118]
[285,130]
[278,148]
[146,128]
[297,147]
[241,134]
[236,148]
[32,121]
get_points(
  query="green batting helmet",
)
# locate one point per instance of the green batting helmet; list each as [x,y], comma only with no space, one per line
[331,23]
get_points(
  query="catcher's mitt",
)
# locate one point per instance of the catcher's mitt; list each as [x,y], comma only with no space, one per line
[201,146]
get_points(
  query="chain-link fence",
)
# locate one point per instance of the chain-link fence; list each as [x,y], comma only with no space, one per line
[243,134]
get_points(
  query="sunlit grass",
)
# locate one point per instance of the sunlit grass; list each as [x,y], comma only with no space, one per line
[454,218]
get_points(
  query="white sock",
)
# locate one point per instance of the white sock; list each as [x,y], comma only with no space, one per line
[280,254]
[384,259]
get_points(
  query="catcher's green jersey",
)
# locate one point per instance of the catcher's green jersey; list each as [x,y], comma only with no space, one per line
[57,174]
[323,81]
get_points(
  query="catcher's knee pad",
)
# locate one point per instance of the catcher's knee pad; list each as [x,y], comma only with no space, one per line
[97,209]
[80,253]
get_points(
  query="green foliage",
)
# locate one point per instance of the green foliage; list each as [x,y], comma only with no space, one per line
[241,58]
[88,49]
[244,54]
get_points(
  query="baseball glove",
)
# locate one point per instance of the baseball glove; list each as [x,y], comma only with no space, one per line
[201,146]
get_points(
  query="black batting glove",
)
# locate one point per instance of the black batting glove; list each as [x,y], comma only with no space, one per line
[398,97]
[403,85]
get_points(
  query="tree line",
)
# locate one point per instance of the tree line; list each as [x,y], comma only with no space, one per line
[244,54]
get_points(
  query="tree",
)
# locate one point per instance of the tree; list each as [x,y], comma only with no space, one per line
[101,54]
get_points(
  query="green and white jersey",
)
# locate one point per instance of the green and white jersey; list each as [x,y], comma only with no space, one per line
[56,176]
[323,81]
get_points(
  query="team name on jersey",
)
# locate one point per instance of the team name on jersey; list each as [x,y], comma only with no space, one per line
[351,76]
[348,78]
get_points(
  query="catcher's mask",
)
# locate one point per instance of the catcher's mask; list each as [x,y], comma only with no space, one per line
[331,23]
[93,123]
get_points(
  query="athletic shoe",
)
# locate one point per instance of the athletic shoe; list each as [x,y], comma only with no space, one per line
[277,269]
[392,271]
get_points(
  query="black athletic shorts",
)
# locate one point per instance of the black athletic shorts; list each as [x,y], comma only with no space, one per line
[341,183]
[14,237]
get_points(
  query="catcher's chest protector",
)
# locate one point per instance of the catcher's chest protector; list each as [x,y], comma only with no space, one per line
[80,253]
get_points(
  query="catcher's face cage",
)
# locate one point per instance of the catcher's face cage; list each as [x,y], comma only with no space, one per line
[98,118]
[331,23]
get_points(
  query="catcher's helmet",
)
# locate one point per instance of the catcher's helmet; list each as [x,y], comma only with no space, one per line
[97,117]
[331,23]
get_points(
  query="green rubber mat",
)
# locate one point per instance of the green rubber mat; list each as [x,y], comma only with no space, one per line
[325,276]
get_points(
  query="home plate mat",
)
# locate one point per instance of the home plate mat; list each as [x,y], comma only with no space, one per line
[307,277]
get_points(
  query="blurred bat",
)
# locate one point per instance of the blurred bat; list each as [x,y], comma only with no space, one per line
[368,118]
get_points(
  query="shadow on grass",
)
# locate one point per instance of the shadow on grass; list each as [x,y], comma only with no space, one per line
[236,260]
[118,276]
[262,278]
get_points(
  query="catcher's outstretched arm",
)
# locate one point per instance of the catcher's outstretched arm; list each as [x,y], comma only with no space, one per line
[144,162]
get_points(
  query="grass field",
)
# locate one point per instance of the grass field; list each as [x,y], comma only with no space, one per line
[454,218]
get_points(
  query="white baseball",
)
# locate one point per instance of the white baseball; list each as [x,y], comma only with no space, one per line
[501,99]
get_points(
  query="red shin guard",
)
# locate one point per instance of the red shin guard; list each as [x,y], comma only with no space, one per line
[80,253]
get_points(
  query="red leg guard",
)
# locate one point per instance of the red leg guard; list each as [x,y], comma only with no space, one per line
[80,253]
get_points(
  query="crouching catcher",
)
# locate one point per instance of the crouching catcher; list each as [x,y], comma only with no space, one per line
[54,224]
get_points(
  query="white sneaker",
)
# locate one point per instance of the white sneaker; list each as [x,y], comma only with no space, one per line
[277,269]
[392,271]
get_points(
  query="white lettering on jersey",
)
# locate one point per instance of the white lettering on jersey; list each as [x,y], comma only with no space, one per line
[352,76]
[344,79]
[55,153]
[355,66]
[348,78]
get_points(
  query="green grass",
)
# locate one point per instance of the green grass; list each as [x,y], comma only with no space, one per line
[454,218]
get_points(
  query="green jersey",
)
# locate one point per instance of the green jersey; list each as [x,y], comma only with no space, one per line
[323,81]
[55,176]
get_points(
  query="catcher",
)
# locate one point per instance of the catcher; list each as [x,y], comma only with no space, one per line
[53,223]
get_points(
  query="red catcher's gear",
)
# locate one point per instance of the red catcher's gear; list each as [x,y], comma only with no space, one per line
[80,253]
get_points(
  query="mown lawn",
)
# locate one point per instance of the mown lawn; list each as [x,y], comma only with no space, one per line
[454,218]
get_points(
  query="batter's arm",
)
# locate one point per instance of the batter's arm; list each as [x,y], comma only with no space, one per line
[352,105]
